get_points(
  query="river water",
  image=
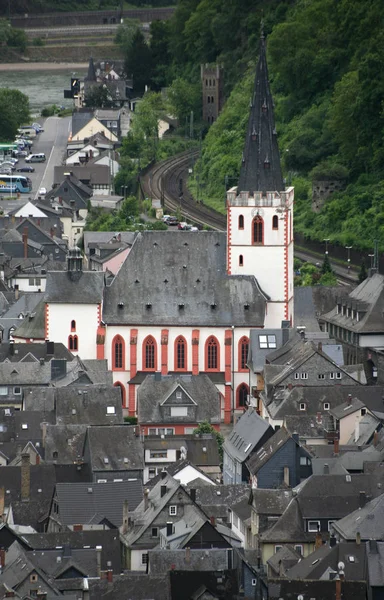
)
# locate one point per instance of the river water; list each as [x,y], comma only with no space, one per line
[42,87]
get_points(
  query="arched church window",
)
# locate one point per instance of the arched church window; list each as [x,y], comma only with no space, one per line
[258,231]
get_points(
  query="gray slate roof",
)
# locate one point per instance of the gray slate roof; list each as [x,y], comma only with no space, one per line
[263,454]
[368,521]
[160,560]
[88,405]
[119,444]
[270,502]
[84,287]
[198,394]
[286,556]
[80,502]
[169,279]
[33,326]
[368,299]
[132,585]
[246,434]
[215,500]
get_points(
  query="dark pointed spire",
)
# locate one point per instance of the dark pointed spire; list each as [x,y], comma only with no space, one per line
[260,168]
[91,75]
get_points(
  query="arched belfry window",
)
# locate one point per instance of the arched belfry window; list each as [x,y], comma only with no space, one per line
[212,354]
[243,353]
[149,354]
[73,343]
[241,261]
[73,325]
[242,395]
[275,222]
[180,354]
[118,353]
[258,230]
[241,221]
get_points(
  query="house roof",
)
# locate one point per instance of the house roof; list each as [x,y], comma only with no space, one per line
[375,558]
[306,426]
[33,326]
[215,500]
[287,402]
[257,355]
[305,309]
[88,405]
[67,441]
[243,510]
[80,502]
[131,585]
[169,279]
[175,470]
[95,238]
[200,450]
[286,556]
[33,352]
[246,434]
[18,567]
[368,521]
[94,174]
[270,447]
[118,444]
[367,298]
[80,287]
[160,560]
[270,502]
[326,559]
[364,430]
[55,562]
[79,120]
[347,408]
[198,394]
[108,539]
[318,589]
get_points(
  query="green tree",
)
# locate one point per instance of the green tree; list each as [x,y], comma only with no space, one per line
[138,62]
[99,96]
[326,266]
[363,272]
[14,110]
[206,427]
[183,98]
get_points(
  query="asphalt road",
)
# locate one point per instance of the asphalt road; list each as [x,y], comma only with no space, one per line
[53,142]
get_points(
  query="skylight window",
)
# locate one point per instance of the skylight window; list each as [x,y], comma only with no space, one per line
[247,447]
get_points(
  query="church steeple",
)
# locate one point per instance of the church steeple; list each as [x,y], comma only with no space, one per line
[260,167]
[91,75]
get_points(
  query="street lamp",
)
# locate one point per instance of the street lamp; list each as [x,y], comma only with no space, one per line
[326,245]
[371,256]
[349,248]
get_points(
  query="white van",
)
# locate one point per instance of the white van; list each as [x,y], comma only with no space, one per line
[36,158]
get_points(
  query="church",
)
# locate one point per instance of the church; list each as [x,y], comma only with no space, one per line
[186,302]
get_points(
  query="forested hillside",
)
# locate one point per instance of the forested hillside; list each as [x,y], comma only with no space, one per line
[325,62]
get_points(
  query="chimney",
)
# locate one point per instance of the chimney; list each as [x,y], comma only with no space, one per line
[192,494]
[320,347]
[326,469]
[187,555]
[43,433]
[125,517]
[9,594]
[163,474]
[16,292]
[336,447]
[25,477]
[25,241]
[357,429]
[213,521]
[338,589]
[375,439]
[37,459]
[2,558]
[146,503]
[362,499]
[2,502]
[358,538]
[286,476]
[98,560]
[169,528]
[318,540]
[11,347]
[110,576]
[373,546]
[52,232]
[50,347]
[163,490]
[332,541]
[281,569]
[349,400]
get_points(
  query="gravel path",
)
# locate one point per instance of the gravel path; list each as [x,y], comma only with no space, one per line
[41,66]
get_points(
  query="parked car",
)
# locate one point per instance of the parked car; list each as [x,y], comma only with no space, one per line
[166,217]
[26,169]
[7,165]
[22,153]
[184,226]
[5,171]
[38,127]
[172,221]
[42,191]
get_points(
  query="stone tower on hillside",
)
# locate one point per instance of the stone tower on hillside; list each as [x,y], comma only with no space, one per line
[212,86]
[260,209]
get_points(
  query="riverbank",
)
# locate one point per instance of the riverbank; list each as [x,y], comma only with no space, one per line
[43,66]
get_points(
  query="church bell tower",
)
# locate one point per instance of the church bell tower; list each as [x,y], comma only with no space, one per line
[260,208]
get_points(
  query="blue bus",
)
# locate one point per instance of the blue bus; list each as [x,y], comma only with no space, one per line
[15,183]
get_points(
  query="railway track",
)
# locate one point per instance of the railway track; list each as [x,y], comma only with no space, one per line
[162,182]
